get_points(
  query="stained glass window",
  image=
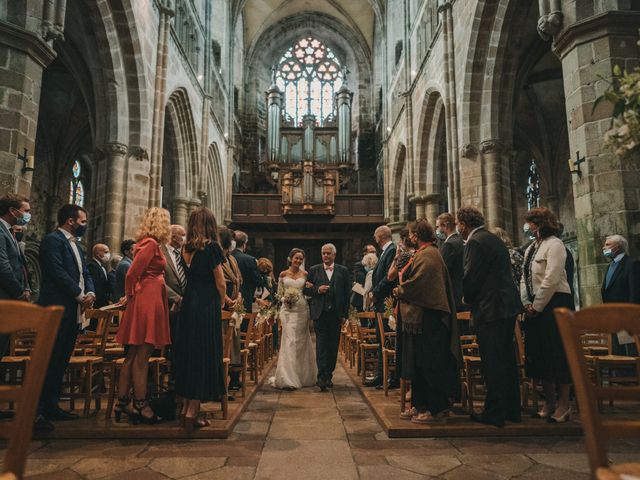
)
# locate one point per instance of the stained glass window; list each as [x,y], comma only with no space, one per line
[309,74]
[533,187]
[76,187]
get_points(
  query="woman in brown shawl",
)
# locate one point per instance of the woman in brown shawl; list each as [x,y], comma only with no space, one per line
[431,346]
[233,280]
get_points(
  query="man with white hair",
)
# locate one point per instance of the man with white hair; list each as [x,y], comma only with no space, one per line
[621,284]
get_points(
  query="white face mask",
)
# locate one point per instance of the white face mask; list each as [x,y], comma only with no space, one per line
[106,257]
[233,245]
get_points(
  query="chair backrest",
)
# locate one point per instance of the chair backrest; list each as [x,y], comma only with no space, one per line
[96,341]
[608,318]
[596,343]
[464,316]
[16,316]
[22,342]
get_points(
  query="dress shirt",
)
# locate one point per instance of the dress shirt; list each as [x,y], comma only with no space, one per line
[612,268]
[385,246]
[328,270]
[172,254]
[104,270]
[76,253]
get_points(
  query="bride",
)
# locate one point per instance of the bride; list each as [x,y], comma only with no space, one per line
[296,360]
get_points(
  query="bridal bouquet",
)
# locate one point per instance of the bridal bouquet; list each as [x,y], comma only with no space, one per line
[288,296]
[390,313]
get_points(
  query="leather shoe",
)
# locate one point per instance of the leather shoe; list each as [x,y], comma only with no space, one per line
[496,422]
[41,424]
[61,415]
[374,382]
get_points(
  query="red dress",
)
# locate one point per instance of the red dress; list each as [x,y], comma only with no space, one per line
[146,318]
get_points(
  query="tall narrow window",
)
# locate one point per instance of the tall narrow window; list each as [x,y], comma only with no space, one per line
[533,187]
[76,187]
[309,74]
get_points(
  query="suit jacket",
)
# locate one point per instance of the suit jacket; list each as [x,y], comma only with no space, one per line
[336,299]
[13,281]
[381,287]
[625,284]
[487,283]
[121,275]
[250,276]
[359,275]
[171,278]
[452,251]
[60,275]
[100,282]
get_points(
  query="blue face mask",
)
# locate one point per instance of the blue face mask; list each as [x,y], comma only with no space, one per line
[441,235]
[608,253]
[24,219]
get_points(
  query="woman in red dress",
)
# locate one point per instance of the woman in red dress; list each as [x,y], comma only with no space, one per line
[145,323]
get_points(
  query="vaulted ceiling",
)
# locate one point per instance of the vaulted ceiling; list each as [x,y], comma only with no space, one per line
[260,15]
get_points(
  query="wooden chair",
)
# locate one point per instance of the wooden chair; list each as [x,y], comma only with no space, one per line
[244,357]
[16,316]
[367,351]
[388,340]
[598,430]
[471,375]
[85,372]
[250,342]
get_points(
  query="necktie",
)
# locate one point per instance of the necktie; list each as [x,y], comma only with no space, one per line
[181,276]
[610,272]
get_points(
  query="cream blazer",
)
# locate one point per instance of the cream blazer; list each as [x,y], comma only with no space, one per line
[548,275]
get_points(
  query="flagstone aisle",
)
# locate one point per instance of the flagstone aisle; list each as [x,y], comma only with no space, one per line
[312,435]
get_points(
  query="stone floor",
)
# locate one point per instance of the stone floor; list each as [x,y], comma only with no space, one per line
[307,434]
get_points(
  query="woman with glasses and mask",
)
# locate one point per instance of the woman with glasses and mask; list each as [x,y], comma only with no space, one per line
[543,288]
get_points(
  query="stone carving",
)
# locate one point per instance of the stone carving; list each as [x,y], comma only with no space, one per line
[115,148]
[468,151]
[139,153]
[490,146]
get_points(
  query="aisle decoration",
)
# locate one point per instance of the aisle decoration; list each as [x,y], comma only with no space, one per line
[390,313]
[238,313]
[353,316]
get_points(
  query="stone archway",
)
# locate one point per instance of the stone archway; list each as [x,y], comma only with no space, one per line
[180,165]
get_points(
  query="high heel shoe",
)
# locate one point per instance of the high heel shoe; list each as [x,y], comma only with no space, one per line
[121,407]
[565,417]
[139,406]
[544,413]
[193,423]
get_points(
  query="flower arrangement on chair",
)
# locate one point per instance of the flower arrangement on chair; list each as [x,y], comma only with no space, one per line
[390,312]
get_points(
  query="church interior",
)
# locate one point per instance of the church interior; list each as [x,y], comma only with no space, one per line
[305,122]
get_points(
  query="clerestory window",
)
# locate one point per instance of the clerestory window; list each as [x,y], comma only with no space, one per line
[309,74]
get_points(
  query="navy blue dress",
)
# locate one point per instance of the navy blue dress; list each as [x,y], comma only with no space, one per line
[198,344]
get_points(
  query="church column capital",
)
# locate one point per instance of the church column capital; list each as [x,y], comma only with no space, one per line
[491,146]
[469,150]
[115,148]
[23,40]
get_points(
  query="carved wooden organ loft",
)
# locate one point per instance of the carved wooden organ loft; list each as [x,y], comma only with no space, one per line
[309,163]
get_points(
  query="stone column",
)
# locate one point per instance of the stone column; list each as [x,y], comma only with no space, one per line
[180,212]
[23,57]
[607,192]
[490,151]
[157,141]
[432,207]
[115,156]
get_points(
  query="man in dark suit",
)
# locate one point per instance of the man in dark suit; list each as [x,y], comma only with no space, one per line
[126,247]
[489,289]
[359,275]
[65,281]
[97,267]
[621,283]
[248,268]
[329,286]
[381,288]
[14,280]
[452,251]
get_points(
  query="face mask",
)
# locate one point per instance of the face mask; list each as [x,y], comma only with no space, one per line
[526,228]
[106,257]
[24,219]
[80,230]
[441,235]
[607,252]
[233,245]
[19,236]
[184,240]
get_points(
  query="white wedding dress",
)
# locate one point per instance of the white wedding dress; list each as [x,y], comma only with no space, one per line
[296,359]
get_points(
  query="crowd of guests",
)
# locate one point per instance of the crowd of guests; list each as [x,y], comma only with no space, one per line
[461,265]
[173,283]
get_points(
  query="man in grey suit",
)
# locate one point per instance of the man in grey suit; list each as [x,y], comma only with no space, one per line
[14,210]
[126,247]
[174,275]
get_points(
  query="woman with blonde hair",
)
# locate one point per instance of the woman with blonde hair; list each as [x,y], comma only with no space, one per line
[145,323]
[198,343]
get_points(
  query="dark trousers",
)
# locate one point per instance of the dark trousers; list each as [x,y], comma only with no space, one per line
[499,368]
[62,350]
[327,329]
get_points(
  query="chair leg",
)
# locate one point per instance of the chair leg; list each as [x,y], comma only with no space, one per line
[112,390]
[88,385]
[385,372]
